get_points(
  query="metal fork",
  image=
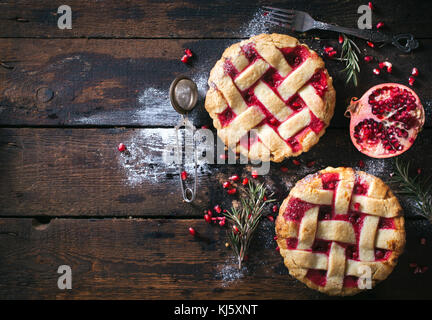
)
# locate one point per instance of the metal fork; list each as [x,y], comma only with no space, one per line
[301,21]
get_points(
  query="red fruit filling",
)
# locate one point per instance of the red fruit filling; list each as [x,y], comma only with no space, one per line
[226,116]
[295,56]
[296,209]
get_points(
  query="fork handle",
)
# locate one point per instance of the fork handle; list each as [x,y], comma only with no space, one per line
[374,36]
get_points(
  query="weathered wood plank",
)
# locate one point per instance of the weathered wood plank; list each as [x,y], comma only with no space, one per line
[202,19]
[158,259]
[79,172]
[125,82]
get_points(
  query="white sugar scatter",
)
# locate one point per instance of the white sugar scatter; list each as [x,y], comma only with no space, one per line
[378,167]
[257,25]
[229,272]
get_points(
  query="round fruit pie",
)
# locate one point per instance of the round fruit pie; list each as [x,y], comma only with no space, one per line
[270,97]
[340,231]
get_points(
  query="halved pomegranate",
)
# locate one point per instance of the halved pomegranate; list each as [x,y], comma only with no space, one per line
[385,121]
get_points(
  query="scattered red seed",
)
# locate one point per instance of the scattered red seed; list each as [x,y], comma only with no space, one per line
[275,208]
[225,210]
[415,72]
[296,162]
[207,218]
[270,217]
[217,208]
[419,170]
[328,49]
[368,58]
[121,147]
[188,52]
[192,231]
[277,249]
[265,198]
[357,206]
[184,175]
[284,169]
[370,44]
[226,184]
[222,222]
[361,164]
[234,177]
[275,238]
[232,191]
[423,241]
[332,53]
[210,213]
[411,80]
[310,164]
[341,39]
[370,5]
[185,59]
[413,265]
[236,230]
[245,181]
[204,127]
[376,71]
[254,174]
[380,25]
[387,65]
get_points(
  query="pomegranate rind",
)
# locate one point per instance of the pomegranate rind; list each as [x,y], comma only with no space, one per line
[359,110]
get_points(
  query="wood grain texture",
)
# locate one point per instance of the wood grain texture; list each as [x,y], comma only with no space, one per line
[80,172]
[125,82]
[193,18]
[158,259]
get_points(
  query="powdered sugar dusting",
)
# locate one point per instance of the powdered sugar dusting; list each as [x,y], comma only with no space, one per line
[229,272]
[257,25]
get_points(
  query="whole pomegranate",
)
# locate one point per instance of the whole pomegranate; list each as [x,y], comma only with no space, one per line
[385,121]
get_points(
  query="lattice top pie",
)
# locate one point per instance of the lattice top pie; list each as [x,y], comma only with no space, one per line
[270,97]
[337,223]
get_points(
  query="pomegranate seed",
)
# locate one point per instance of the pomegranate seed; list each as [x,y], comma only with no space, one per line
[284,169]
[188,52]
[415,72]
[207,218]
[121,147]
[245,181]
[225,210]
[222,222]
[380,25]
[271,218]
[192,231]
[277,249]
[217,208]
[275,238]
[423,241]
[361,164]
[357,206]
[234,177]
[387,65]
[226,184]
[370,5]
[204,127]
[183,175]
[185,59]
[370,44]
[210,213]
[236,230]
[232,191]
[368,58]
[419,170]
[328,49]
[310,164]
[275,208]
[265,198]
[411,80]
[254,174]
[296,162]
[341,39]
[376,71]
[331,54]
[413,265]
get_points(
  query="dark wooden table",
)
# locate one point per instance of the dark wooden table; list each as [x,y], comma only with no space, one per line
[68,197]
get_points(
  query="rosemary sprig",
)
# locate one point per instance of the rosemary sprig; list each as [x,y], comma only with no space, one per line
[245,219]
[349,55]
[418,188]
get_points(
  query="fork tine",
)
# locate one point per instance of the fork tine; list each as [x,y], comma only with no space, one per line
[288,16]
[279,24]
[283,20]
[282,10]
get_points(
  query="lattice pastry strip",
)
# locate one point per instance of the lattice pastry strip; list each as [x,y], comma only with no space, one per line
[286,81]
[327,240]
